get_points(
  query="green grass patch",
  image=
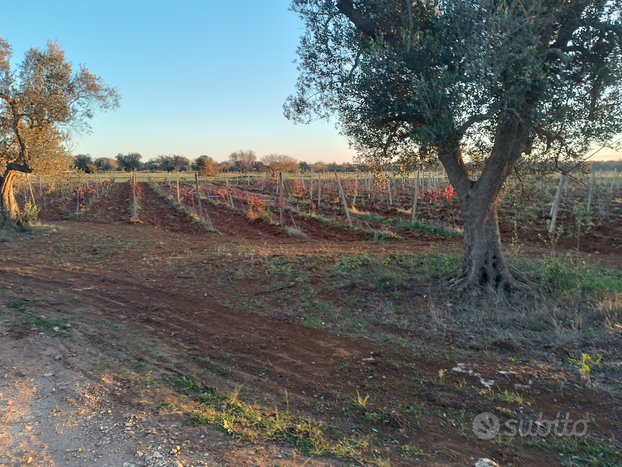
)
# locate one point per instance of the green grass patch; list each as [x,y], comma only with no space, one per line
[245,421]
[24,231]
[384,235]
[61,326]
[582,451]
[568,278]
[183,381]
[425,227]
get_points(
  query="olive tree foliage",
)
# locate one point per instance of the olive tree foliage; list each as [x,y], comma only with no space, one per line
[520,82]
[279,163]
[172,163]
[129,162]
[106,164]
[42,102]
[82,161]
[206,166]
[243,160]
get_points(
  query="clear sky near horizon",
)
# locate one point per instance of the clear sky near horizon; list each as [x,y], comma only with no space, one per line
[195,77]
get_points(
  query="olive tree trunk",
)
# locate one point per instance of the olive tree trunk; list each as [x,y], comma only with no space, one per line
[9,210]
[483,265]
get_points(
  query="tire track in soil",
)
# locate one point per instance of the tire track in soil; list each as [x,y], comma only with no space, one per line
[302,360]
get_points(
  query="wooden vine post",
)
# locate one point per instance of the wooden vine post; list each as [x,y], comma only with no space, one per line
[590,191]
[394,188]
[230,197]
[32,194]
[41,192]
[196,179]
[135,209]
[343,199]
[178,203]
[319,189]
[356,188]
[281,196]
[555,207]
[416,197]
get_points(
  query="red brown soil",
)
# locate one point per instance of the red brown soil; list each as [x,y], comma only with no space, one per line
[138,289]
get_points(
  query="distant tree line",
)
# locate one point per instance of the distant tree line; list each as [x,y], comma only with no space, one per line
[244,161]
[240,161]
[607,165]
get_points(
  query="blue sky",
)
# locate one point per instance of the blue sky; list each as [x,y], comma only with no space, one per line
[195,77]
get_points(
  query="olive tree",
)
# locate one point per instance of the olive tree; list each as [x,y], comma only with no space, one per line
[243,160]
[106,164]
[42,101]
[206,166]
[279,163]
[412,80]
[129,162]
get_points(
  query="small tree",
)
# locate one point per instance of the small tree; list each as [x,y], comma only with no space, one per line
[90,169]
[319,166]
[172,163]
[517,81]
[129,162]
[243,160]
[40,102]
[279,163]
[206,166]
[82,161]
[105,164]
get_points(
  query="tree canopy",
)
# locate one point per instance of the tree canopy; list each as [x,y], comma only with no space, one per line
[106,164]
[42,102]
[171,163]
[279,163]
[515,81]
[206,166]
[243,160]
[129,162]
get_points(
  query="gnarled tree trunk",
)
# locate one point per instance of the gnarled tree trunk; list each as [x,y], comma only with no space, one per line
[9,210]
[483,265]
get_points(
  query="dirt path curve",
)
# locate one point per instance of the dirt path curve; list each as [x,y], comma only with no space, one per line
[155,301]
[277,356]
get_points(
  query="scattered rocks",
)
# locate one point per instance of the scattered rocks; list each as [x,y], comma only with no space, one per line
[483,462]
